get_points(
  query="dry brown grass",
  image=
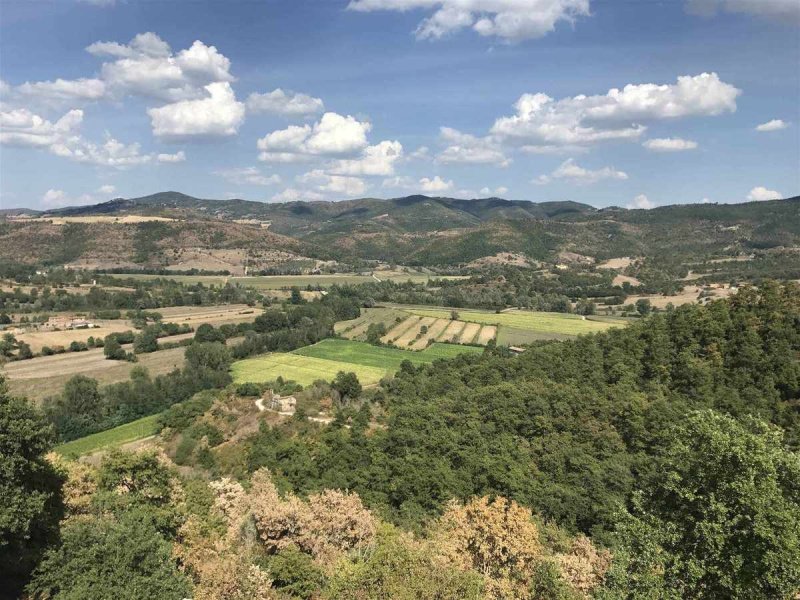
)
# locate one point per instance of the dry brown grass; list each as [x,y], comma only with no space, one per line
[453,331]
[399,329]
[689,295]
[620,279]
[45,376]
[213,315]
[616,263]
[487,333]
[40,339]
[405,340]
[434,331]
[469,332]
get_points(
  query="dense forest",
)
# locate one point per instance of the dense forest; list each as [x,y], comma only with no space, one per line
[655,461]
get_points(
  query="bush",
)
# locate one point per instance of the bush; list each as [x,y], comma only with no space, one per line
[294,573]
[249,389]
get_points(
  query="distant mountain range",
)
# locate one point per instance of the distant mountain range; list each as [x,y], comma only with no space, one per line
[429,230]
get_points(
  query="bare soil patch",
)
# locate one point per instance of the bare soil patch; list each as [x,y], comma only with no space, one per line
[616,263]
[620,279]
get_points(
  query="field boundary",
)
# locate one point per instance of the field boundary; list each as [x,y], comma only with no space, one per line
[110,438]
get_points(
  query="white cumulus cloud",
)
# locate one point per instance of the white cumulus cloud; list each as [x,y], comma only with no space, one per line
[669,145]
[332,135]
[147,67]
[435,185]
[541,121]
[498,191]
[640,201]
[53,198]
[106,189]
[469,149]
[569,170]
[22,128]
[510,20]
[217,115]
[248,176]
[287,104]
[377,160]
[295,195]
[762,193]
[179,156]
[55,94]
[334,184]
[773,125]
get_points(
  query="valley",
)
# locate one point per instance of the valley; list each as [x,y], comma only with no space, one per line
[306,357]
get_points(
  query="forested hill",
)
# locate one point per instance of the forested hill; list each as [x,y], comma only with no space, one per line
[421,230]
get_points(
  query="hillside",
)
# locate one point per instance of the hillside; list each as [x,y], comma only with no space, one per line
[416,230]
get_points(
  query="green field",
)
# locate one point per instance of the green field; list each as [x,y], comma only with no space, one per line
[111,438]
[305,370]
[388,359]
[326,358]
[541,322]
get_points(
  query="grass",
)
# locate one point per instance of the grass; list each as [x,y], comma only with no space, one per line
[111,438]
[326,358]
[305,370]
[541,322]
[388,359]
[510,336]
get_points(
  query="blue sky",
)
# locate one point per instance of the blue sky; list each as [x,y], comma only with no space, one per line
[629,103]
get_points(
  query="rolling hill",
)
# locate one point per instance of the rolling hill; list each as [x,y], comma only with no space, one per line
[416,230]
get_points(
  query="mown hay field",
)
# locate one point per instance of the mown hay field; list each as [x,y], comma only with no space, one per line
[39,339]
[532,321]
[111,438]
[357,328]
[37,378]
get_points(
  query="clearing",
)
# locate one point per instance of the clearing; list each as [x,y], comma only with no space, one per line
[111,438]
[305,370]
[326,358]
[39,377]
[40,339]
[388,359]
[689,295]
[356,329]
[213,315]
[616,263]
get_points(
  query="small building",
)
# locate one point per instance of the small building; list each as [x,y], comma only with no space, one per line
[283,404]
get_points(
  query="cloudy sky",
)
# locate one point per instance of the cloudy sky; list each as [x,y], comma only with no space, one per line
[610,102]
